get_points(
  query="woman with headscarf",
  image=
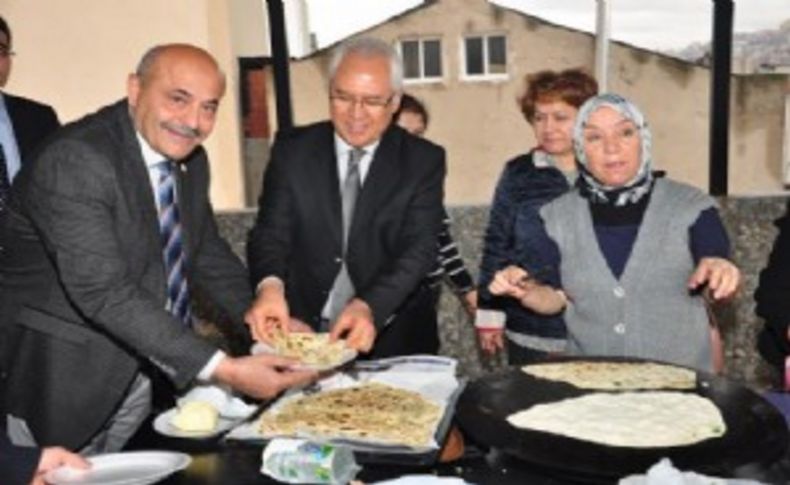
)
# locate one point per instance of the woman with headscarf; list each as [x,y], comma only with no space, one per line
[549,103]
[637,254]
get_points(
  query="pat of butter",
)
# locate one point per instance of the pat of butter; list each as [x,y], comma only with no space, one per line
[196,416]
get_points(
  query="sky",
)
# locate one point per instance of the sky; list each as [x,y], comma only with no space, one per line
[652,24]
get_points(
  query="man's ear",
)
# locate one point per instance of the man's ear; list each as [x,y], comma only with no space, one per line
[132,89]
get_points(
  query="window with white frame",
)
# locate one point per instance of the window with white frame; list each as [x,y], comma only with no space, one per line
[422,59]
[485,56]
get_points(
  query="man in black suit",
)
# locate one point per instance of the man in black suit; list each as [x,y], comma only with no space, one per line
[98,259]
[303,244]
[24,123]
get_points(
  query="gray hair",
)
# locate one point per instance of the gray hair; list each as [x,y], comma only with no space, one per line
[369,47]
[148,60]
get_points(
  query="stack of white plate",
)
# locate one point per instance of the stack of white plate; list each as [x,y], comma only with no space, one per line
[126,468]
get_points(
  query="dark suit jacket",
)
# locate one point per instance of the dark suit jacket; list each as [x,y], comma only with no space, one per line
[82,283]
[17,464]
[32,121]
[773,297]
[392,240]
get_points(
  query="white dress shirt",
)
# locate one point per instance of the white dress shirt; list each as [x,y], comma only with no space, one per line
[8,140]
[152,158]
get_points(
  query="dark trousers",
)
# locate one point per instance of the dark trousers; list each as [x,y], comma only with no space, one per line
[414,330]
[518,355]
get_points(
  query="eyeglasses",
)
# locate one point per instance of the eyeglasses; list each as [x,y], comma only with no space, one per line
[346,101]
[5,51]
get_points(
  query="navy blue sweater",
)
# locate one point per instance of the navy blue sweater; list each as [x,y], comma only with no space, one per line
[515,235]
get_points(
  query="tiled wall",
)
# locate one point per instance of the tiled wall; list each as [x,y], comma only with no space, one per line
[749,221]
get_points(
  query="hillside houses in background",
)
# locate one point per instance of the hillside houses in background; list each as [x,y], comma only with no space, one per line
[765,51]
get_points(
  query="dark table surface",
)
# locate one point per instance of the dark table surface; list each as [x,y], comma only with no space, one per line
[217,462]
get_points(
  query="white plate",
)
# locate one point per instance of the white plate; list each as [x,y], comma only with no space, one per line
[162,425]
[127,468]
[347,356]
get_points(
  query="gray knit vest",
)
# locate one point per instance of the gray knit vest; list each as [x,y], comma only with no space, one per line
[648,312]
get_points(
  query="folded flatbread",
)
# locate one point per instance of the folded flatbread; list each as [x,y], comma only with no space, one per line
[310,348]
[615,375]
[629,419]
[370,412]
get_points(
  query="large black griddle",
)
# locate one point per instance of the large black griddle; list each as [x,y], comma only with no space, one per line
[756,431]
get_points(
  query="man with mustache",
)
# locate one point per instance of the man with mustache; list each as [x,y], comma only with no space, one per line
[109,230]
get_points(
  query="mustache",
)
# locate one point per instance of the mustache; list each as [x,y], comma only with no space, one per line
[183,130]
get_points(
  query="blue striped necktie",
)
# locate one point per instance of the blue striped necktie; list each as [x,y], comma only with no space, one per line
[172,247]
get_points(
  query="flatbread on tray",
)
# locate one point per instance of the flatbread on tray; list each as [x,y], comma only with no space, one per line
[371,412]
[630,419]
[615,375]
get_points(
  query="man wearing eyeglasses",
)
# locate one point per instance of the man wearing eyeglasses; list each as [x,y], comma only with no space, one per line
[24,123]
[349,214]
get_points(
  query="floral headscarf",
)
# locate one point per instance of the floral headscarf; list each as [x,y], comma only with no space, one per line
[641,184]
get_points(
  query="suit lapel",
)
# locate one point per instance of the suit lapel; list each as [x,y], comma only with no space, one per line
[324,184]
[383,174]
[137,185]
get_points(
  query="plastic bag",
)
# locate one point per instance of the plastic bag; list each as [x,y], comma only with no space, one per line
[300,461]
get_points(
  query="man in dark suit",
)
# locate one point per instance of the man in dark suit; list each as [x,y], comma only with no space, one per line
[24,123]
[108,229]
[340,266]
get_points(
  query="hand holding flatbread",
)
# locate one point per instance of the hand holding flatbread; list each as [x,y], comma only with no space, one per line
[269,311]
[355,323]
[261,376]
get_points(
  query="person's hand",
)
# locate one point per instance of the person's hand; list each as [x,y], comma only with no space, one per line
[261,376]
[55,457]
[298,326]
[721,277]
[269,312]
[491,340]
[470,302]
[516,283]
[355,322]
[510,282]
